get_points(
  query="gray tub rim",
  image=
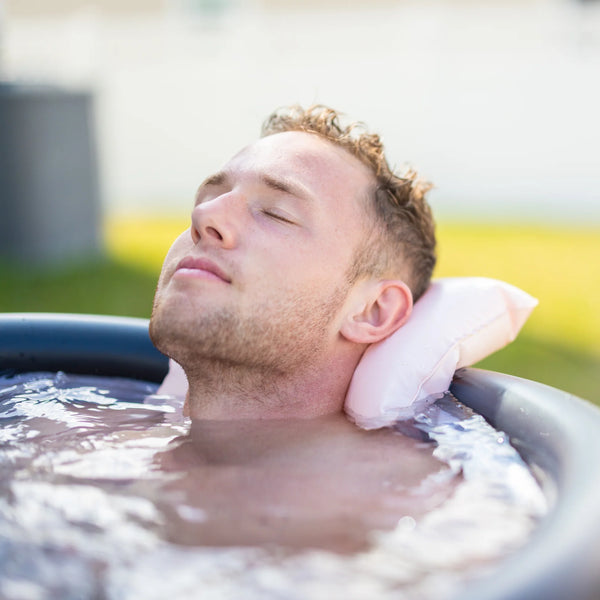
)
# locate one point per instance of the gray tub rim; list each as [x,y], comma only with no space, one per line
[556,433]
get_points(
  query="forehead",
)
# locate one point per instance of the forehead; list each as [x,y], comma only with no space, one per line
[324,169]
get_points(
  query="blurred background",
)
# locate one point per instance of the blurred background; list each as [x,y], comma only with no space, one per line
[113,111]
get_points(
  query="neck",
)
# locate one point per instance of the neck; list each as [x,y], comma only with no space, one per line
[247,441]
[219,391]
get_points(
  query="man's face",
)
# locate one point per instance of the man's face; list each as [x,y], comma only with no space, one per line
[260,278]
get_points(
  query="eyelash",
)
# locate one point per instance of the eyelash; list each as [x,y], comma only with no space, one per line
[277,217]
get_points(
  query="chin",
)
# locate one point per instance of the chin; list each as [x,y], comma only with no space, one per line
[171,328]
[161,330]
[156,333]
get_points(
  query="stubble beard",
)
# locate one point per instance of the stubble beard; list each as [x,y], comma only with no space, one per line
[282,335]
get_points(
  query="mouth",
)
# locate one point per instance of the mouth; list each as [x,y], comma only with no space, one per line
[200,268]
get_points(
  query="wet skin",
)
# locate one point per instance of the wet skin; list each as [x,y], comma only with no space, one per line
[314,483]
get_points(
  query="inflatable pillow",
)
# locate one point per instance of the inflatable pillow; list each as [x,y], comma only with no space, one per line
[175,383]
[456,323]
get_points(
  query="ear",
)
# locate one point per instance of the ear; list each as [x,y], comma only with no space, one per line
[379,309]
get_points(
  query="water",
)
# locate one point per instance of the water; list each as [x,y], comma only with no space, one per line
[106,498]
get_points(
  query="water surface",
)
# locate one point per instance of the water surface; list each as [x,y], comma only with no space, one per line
[108,491]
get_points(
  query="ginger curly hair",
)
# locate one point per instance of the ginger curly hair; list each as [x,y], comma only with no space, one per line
[402,240]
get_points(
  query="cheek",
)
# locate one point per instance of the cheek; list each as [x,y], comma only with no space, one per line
[313,260]
[181,244]
[176,252]
[314,268]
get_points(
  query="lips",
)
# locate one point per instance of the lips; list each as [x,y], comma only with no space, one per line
[201,267]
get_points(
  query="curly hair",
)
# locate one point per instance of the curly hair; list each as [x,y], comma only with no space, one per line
[403,242]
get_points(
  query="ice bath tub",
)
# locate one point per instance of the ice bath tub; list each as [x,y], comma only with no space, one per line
[557,434]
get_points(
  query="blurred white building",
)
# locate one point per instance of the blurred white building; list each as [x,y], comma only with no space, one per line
[495,101]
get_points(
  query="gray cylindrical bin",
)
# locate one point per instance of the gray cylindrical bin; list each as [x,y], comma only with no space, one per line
[49,197]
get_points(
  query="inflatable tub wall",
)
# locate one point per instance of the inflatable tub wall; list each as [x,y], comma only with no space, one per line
[556,433]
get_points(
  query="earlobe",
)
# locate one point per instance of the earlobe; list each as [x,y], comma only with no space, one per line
[383,308]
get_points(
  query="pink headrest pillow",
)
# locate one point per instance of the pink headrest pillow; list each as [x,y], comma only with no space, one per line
[456,323]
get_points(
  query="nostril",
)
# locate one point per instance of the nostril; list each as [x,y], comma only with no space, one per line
[213,232]
[212,223]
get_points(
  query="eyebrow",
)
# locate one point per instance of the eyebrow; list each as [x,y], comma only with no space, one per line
[287,186]
[217,179]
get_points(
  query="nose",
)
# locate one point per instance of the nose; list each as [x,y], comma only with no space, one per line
[217,221]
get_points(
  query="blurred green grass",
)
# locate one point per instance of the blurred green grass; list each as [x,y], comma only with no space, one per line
[559,345]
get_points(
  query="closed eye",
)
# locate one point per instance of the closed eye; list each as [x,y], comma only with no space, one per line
[277,217]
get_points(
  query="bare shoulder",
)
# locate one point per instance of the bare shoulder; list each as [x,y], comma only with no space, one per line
[321,484]
[384,454]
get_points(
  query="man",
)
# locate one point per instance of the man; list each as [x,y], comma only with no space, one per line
[303,249]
